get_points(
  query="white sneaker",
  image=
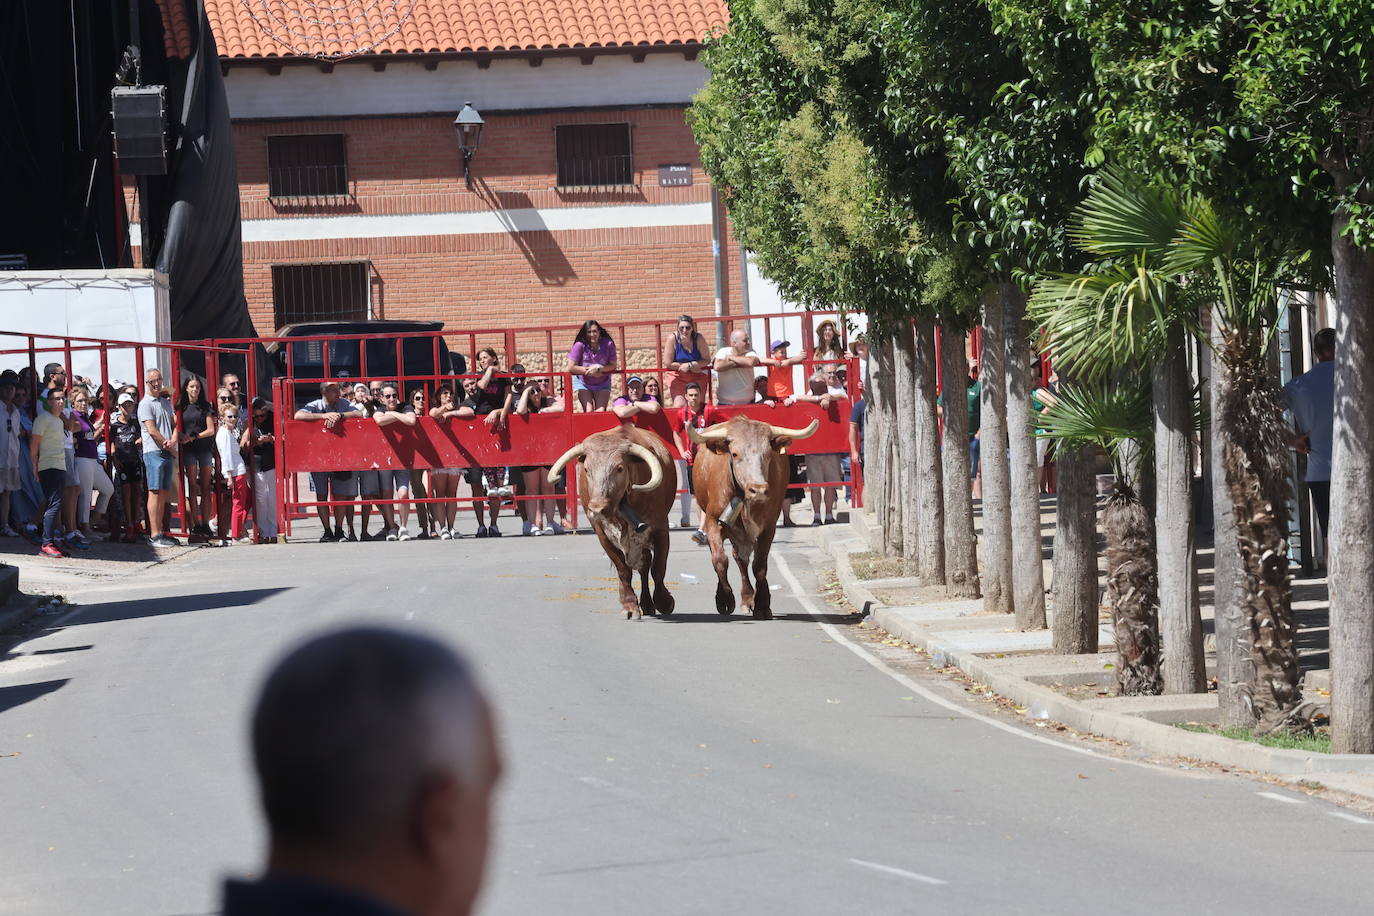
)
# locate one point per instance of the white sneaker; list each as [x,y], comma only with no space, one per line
[391,534]
[404,535]
[536,532]
[445,534]
[549,529]
[502,491]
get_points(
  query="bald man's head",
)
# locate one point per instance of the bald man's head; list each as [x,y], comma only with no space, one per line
[350,726]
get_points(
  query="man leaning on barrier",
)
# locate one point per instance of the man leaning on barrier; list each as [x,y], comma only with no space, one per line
[377,763]
[339,486]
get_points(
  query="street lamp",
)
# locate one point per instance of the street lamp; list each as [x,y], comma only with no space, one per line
[468,124]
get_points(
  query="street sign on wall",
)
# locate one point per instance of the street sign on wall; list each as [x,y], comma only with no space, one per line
[674,176]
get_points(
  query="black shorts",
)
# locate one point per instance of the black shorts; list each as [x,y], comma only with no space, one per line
[130,471]
[690,487]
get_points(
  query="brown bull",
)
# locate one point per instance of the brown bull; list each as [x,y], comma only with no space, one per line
[627,483]
[740,480]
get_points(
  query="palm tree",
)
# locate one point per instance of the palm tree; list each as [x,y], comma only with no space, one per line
[1172,257]
[1116,419]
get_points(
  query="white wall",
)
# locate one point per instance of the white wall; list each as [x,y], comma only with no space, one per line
[129,305]
[404,87]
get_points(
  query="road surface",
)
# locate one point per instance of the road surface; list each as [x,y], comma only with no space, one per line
[697,765]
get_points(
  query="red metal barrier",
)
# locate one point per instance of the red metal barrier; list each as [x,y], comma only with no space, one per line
[534,440]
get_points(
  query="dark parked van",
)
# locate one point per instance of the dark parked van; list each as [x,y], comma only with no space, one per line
[307,358]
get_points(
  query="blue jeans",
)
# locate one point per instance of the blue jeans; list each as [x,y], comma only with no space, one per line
[52,480]
[973,457]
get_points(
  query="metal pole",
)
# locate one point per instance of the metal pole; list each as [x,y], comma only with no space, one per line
[722,339]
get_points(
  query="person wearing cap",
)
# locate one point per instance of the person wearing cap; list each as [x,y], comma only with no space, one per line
[128,461]
[634,401]
[779,383]
[340,487]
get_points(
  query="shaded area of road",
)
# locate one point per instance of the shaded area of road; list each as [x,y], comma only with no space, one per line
[698,765]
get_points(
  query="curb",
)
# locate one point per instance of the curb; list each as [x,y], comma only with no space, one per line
[1154,737]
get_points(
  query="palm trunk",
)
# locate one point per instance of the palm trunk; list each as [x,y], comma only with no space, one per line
[1028,571]
[1132,591]
[1074,574]
[961,553]
[997,595]
[930,504]
[1235,670]
[1351,546]
[1180,617]
[904,352]
[1256,463]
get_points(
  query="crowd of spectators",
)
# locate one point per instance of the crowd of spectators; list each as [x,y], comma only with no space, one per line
[92,461]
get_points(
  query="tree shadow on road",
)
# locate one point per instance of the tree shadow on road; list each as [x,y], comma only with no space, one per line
[107,612]
[740,617]
[19,694]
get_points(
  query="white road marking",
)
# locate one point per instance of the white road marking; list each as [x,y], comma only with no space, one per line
[899,872]
[1353,818]
[1274,796]
[916,688]
[595,781]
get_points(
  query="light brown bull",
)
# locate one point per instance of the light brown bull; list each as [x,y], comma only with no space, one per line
[627,484]
[740,480]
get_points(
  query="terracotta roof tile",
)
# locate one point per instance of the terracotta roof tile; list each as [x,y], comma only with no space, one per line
[297,28]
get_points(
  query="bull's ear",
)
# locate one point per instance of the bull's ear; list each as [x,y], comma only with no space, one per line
[781,443]
[719,446]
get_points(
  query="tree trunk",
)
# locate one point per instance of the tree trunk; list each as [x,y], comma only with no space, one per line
[904,353]
[873,464]
[1132,592]
[961,553]
[1074,574]
[1235,670]
[997,595]
[930,503]
[889,520]
[1257,475]
[1351,545]
[1180,618]
[1028,571]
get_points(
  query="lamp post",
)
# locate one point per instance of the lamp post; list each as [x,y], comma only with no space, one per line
[468,125]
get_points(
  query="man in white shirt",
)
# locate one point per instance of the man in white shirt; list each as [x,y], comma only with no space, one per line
[734,367]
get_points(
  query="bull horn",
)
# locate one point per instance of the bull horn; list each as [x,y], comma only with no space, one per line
[709,434]
[806,433]
[649,458]
[575,452]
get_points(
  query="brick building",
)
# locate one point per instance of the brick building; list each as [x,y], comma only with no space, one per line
[353,195]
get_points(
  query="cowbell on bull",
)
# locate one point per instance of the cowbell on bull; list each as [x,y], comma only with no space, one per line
[740,480]
[627,483]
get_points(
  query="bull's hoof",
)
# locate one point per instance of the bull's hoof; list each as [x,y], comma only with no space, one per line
[761,613]
[632,612]
[648,609]
[664,602]
[725,603]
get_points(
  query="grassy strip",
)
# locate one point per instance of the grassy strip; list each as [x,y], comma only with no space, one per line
[875,566]
[1318,742]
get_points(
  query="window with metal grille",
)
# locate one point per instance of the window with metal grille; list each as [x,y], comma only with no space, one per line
[307,165]
[320,292]
[594,155]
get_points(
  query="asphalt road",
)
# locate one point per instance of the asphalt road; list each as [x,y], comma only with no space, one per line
[698,765]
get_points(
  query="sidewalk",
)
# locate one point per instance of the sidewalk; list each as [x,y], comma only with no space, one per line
[1018,666]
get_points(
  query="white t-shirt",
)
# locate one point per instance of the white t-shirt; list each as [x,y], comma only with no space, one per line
[230,458]
[736,384]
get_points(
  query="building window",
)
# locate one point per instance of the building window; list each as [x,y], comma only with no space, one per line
[307,166]
[320,292]
[594,156]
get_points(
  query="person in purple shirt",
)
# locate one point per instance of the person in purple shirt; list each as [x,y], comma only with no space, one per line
[591,362]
